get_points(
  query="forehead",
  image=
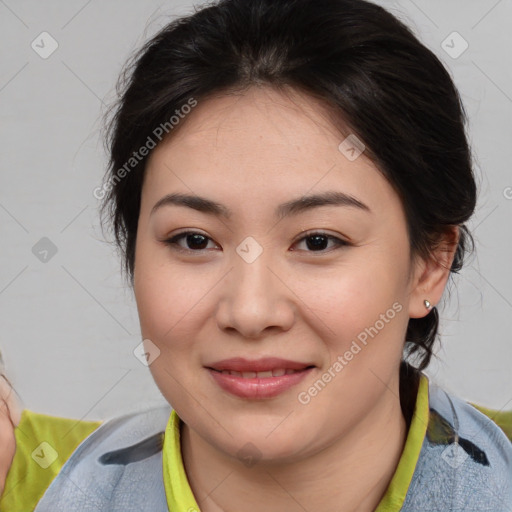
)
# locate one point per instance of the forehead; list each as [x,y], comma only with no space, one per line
[263,143]
[258,116]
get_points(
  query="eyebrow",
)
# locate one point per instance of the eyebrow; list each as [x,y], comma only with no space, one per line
[292,207]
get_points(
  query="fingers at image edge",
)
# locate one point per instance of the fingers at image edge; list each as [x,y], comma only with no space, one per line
[9,397]
[7,442]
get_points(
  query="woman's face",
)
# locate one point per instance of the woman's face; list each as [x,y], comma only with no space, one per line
[315,286]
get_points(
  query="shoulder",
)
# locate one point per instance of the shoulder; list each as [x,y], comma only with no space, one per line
[118,467]
[465,463]
[471,425]
[502,418]
[43,444]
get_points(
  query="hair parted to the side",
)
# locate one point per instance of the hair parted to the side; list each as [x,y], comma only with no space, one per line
[359,60]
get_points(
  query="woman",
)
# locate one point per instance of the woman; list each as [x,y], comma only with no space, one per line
[289,184]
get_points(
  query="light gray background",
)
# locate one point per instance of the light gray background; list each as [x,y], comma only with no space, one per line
[69,326]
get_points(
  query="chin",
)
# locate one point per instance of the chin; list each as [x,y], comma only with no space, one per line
[254,444]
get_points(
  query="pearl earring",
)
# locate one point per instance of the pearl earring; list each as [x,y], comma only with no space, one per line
[427,304]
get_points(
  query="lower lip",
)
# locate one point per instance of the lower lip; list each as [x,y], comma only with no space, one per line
[257,388]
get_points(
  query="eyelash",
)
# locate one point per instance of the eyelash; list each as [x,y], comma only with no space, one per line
[173,241]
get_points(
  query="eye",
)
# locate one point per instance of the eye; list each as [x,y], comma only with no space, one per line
[194,241]
[318,241]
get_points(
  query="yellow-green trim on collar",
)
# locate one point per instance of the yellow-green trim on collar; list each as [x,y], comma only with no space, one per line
[394,498]
[177,489]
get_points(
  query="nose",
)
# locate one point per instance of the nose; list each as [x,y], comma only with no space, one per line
[255,299]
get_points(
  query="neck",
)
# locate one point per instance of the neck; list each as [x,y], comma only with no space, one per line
[356,470]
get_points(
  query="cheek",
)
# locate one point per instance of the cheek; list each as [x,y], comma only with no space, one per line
[360,313]
[167,296]
[351,296]
[169,308]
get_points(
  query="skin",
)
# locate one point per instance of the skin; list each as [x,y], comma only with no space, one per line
[252,152]
[10,415]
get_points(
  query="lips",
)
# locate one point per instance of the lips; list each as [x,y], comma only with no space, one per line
[275,372]
[263,365]
[258,379]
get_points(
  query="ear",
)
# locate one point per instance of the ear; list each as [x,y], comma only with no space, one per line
[431,275]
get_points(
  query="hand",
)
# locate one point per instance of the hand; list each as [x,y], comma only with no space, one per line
[10,415]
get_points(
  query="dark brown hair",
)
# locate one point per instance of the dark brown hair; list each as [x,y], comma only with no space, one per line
[358,59]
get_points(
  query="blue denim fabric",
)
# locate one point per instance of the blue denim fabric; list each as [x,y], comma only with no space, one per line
[465,465]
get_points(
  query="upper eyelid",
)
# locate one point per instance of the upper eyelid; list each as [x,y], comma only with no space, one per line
[182,234]
[340,241]
[301,237]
